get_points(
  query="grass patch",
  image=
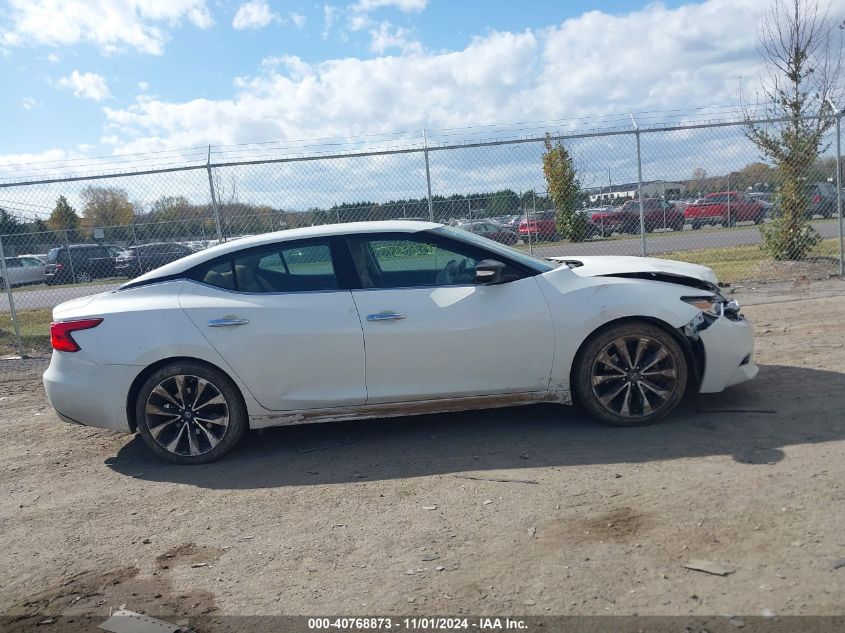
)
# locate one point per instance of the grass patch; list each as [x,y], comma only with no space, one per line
[742,262]
[35,330]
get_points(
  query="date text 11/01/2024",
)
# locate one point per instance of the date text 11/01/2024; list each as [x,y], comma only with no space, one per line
[417,624]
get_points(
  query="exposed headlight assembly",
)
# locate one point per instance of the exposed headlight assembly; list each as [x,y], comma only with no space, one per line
[715,305]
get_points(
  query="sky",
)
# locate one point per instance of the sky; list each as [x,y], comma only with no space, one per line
[95,78]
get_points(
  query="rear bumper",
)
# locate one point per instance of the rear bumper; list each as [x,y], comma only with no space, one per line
[729,354]
[85,393]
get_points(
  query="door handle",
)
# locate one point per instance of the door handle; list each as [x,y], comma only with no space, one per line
[385,316]
[227,322]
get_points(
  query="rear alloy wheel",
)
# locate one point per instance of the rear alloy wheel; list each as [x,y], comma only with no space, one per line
[631,375]
[189,413]
[83,278]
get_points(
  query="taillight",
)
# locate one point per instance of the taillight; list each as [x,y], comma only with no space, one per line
[59,266]
[817,198]
[60,333]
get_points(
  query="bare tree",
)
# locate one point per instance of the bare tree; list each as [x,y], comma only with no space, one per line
[802,50]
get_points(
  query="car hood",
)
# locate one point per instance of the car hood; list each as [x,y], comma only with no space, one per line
[647,267]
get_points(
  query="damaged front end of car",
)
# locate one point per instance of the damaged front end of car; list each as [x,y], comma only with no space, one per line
[719,340]
[719,337]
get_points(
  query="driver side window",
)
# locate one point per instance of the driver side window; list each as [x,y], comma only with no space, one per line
[410,262]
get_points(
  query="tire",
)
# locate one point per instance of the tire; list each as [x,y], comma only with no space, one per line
[615,392]
[695,226]
[167,438]
[2,284]
[83,278]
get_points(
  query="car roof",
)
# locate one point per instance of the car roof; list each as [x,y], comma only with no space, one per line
[325,230]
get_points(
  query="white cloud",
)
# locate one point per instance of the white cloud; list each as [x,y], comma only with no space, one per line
[255,14]
[143,86]
[86,85]
[329,16]
[407,6]
[591,65]
[386,37]
[31,103]
[53,58]
[358,21]
[110,25]
[298,20]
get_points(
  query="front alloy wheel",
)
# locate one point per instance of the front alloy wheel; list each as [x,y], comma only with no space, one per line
[190,413]
[631,375]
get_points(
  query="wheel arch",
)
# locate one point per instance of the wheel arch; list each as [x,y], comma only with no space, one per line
[135,388]
[693,349]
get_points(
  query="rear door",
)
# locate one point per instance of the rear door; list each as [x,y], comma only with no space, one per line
[431,332]
[33,269]
[278,316]
[100,262]
[14,272]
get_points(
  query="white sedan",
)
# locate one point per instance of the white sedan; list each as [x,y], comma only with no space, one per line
[368,320]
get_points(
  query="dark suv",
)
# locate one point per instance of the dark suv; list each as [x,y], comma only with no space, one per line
[80,263]
[821,199]
[146,257]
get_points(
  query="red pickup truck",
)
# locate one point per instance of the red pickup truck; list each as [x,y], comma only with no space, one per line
[725,208]
[657,214]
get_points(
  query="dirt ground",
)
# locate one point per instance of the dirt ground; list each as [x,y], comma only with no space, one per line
[532,510]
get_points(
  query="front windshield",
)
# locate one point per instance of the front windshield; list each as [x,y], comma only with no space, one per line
[537,263]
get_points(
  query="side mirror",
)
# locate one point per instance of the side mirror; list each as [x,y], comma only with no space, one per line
[489,271]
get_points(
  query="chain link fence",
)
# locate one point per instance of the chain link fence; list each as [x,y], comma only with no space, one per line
[697,192]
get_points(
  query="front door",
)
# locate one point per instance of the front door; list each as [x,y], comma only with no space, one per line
[278,317]
[431,332]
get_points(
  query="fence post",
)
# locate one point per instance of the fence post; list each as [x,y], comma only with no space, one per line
[528,220]
[8,284]
[70,259]
[839,187]
[213,198]
[428,179]
[640,185]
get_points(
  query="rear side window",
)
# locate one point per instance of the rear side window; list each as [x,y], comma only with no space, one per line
[53,255]
[301,267]
[218,274]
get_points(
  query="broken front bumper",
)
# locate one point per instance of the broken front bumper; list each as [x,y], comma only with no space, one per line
[728,351]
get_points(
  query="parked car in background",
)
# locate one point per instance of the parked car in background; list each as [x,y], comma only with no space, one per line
[113,249]
[657,214]
[79,263]
[540,226]
[42,257]
[146,257]
[512,222]
[242,337]
[766,200]
[491,230]
[821,199]
[23,270]
[725,208]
